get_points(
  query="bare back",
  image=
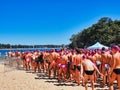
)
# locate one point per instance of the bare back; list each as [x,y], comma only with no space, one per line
[117,60]
[78,59]
[87,64]
[106,57]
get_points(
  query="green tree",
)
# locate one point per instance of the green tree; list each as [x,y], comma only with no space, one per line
[104,31]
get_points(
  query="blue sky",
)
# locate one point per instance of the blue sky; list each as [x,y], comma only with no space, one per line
[51,21]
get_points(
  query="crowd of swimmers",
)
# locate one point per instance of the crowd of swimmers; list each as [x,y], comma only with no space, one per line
[78,65]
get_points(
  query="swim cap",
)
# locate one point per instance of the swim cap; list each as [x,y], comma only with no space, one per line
[115,47]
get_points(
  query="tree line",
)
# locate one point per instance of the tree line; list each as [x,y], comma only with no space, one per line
[105,31]
[8,46]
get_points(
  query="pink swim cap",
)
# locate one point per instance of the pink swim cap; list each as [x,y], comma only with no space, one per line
[115,47]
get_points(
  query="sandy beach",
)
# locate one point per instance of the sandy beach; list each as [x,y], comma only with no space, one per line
[13,79]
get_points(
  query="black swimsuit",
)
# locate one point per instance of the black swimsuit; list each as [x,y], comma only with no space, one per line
[40,58]
[69,63]
[117,71]
[90,72]
[78,67]
[74,68]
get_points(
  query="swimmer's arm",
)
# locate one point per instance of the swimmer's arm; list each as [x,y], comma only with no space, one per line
[111,69]
[97,70]
[81,71]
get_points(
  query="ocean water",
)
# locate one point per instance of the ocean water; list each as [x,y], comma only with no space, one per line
[4,51]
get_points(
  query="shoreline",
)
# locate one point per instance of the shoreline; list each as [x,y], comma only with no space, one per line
[25,48]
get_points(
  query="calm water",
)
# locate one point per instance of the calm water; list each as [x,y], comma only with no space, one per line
[4,51]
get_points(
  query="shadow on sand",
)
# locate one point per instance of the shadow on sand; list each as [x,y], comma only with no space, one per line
[45,77]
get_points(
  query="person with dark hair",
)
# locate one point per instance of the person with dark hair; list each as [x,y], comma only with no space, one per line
[103,48]
[40,62]
[77,66]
